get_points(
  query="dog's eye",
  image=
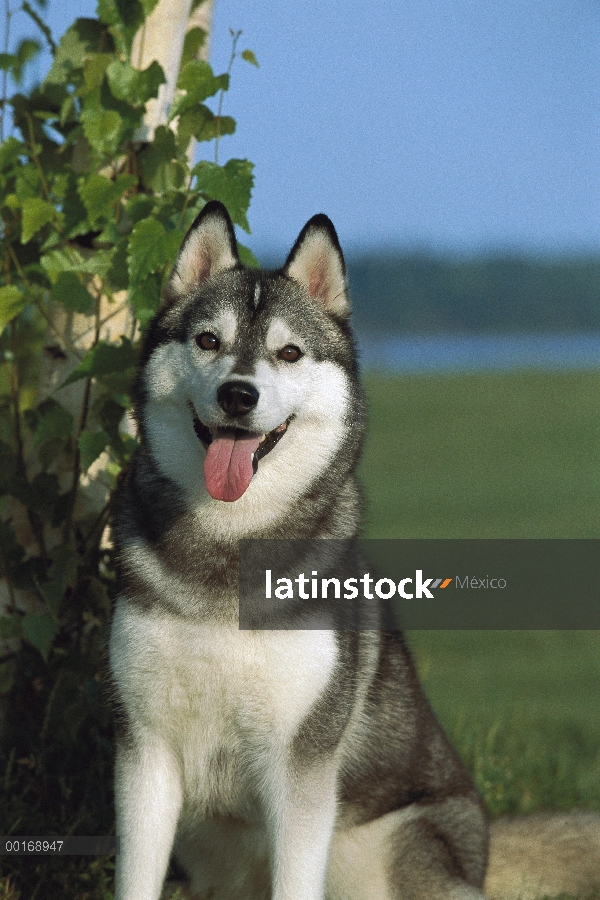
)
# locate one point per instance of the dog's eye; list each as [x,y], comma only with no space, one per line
[208,341]
[290,353]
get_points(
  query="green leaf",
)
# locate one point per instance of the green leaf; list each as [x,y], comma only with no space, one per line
[102,128]
[148,6]
[63,260]
[198,77]
[91,445]
[159,169]
[56,423]
[40,630]
[11,201]
[199,82]
[151,248]
[94,69]
[99,194]
[117,274]
[27,50]
[104,359]
[64,569]
[231,184]
[74,212]
[125,18]
[145,249]
[249,56]
[28,183]
[10,627]
[36,213]
[133,86]
[201,123]
[10,150]
[71,260]
[82,39]
[145,299]
[110,234]
[12,301]
[247,257]
[8,61]
[194,40]
[128,13]
[68,290]
[139,207]
[68,113]
[149,81]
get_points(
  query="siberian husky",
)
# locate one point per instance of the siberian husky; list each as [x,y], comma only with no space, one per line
[276,765]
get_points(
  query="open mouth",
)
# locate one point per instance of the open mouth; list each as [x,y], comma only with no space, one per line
[232,456]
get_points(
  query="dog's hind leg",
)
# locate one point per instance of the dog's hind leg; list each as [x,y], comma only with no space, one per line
[148,800]
[431,851]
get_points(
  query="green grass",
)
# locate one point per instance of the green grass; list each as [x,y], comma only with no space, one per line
[522,709]
[508,455]
[514,456]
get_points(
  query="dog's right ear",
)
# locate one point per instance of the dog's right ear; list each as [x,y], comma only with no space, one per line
[208,247]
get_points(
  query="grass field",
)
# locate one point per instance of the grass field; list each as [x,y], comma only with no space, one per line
[507,455]
[515,456]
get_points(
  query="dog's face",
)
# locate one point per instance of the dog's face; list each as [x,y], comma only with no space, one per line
[248,361]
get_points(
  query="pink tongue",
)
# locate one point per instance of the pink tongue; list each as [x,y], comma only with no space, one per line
[228,465]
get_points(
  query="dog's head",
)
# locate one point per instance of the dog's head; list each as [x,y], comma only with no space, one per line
[249,359]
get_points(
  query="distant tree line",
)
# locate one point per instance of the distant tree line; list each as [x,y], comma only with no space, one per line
[418,293]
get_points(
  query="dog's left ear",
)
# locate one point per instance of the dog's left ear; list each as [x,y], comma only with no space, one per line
[317,263]
[208,247]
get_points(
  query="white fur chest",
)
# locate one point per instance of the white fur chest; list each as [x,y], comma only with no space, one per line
[213,692]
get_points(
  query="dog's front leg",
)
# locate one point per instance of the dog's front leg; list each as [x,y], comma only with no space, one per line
[302,818]
[148,802]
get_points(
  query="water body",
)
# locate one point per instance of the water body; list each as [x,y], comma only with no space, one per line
[480,352]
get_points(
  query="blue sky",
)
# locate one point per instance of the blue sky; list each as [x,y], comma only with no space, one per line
[458,126]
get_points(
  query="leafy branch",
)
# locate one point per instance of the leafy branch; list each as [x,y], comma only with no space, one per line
[88,217]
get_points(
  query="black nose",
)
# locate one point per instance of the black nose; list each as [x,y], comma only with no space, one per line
[237,397]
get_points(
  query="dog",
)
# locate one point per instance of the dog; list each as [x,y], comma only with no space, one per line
[273,764]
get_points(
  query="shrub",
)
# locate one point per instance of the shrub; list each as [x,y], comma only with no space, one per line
[91,221]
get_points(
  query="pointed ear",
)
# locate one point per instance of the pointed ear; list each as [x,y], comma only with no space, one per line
[317,263]
[208,247]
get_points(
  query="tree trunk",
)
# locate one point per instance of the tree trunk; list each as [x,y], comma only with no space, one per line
[161,38]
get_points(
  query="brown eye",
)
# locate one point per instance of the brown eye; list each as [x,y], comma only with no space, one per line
[208,341]
[290,353]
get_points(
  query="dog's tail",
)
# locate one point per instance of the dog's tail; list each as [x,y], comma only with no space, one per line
[544,855]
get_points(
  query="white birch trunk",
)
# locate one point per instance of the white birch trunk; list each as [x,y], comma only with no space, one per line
[161,38]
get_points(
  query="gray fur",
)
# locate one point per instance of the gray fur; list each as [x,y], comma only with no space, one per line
[283,765]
